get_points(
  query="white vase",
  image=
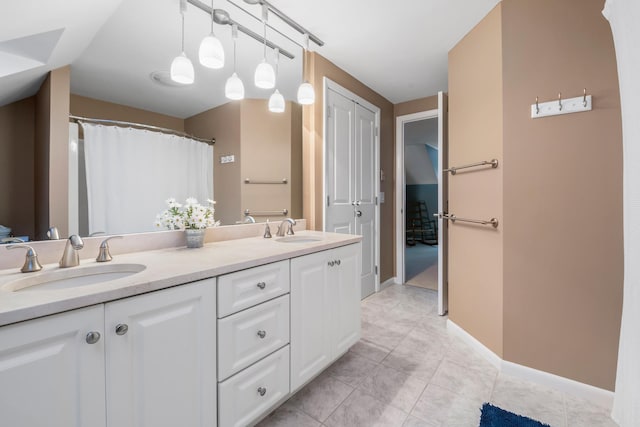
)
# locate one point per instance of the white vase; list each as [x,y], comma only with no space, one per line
[195,238]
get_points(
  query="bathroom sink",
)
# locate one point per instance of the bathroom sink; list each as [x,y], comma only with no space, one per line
[65,278]
[298,239]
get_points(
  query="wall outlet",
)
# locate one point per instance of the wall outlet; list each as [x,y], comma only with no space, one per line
[227,159]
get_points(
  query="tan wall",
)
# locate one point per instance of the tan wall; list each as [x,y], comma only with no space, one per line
[563,245]
[415,106]
[223,124]
[97,109]
[17,166]
[313,132]
[41,161]
[475,133]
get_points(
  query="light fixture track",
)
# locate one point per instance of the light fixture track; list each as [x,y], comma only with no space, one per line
[222,17]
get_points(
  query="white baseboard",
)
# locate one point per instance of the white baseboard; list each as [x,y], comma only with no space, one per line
[599,396]
[389,282]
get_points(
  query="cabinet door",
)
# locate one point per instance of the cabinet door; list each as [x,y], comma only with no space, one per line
[345,288]
[310,318]
[49,374]
[161,371]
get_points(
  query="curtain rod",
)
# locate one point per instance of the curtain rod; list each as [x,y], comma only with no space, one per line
[141,125]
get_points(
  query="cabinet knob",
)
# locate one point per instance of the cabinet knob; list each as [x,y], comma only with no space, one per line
[331,263]
[262,334]
[337,262]
[122,329]
[262,391]
[262,285]
[93,337]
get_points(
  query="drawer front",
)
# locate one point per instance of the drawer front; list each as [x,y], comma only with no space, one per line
[246,288]
[248,336]
[247,395]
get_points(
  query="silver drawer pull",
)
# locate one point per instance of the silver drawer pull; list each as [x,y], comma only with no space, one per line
[262,334]
[262,391]
[262,285]
[122,329]
[92,337]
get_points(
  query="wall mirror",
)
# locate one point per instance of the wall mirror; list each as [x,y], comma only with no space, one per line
[122,73]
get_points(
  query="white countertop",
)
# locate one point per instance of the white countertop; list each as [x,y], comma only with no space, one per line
[164,268]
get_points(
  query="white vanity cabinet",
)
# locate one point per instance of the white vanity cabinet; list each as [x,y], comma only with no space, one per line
[160,358]
[154,354]
[50,374]
[325,310]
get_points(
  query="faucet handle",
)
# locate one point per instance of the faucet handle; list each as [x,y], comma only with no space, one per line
[31,263]
[103,254]
[290,229]
[267,230]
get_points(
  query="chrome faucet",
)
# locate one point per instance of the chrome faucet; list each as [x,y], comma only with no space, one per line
[70,256]
[289,225]
[103,253]
[249,219]
[31,263]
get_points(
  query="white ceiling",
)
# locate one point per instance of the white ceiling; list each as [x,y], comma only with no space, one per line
[399,49]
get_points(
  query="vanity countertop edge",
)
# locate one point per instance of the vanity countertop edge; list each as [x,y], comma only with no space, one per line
[164,268]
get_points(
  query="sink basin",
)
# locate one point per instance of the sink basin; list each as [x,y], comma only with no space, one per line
[298,239]
[73,277]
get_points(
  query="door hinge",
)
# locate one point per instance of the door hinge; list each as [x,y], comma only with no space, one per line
[376,270]
[328,111]
[376,200]
[377,131]
[327,200]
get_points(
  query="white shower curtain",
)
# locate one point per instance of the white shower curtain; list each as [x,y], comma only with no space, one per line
[624,17]
[131,172]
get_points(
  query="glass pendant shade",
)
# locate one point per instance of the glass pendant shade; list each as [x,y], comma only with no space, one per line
[265,76]
[211,53]
[306,94]
[182,70]
[234,89]
[276,102]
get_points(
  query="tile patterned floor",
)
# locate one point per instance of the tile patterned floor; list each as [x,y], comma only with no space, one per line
[407,371]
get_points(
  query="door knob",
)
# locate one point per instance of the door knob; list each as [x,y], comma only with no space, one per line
[262,391]
[93,337]
[337,262]
[262,285]
[358,214]
[122,329]
[331,263]
[262,334]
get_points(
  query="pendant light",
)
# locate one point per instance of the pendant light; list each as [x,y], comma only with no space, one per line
[306,94]
[211,53]
[234,89]
[181,67]
[276,100]
[265,77]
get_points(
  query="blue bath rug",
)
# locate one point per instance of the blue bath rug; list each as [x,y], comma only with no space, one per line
[492,416]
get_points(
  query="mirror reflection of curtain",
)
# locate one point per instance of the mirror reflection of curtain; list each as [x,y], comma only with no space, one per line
[132,172]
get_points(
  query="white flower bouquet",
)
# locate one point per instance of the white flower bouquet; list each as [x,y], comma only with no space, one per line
[190,216]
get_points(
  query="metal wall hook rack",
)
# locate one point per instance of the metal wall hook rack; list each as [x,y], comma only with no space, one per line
[453,218]
[455,169]
[577,104]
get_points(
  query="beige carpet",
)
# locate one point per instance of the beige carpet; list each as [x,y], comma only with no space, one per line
[421,266]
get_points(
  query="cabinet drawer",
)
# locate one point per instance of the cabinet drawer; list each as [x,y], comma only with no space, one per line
[246,288]
[250,393]
[248,336]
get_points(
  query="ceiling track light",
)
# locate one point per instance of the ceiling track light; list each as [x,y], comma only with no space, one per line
[181,66]
[234,88]
[211,53]
[265,76]
[306,94]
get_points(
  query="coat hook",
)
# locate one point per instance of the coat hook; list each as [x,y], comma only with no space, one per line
[560,101]
[537,107]
[584,97]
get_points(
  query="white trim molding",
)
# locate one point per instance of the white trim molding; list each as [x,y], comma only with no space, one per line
[601,397]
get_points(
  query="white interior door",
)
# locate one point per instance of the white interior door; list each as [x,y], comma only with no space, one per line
[443,204]
[365,194]
[351,178]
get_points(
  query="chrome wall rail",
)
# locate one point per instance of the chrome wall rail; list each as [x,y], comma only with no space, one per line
[283,212]
[493,221]
[492,162]
[282,181]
